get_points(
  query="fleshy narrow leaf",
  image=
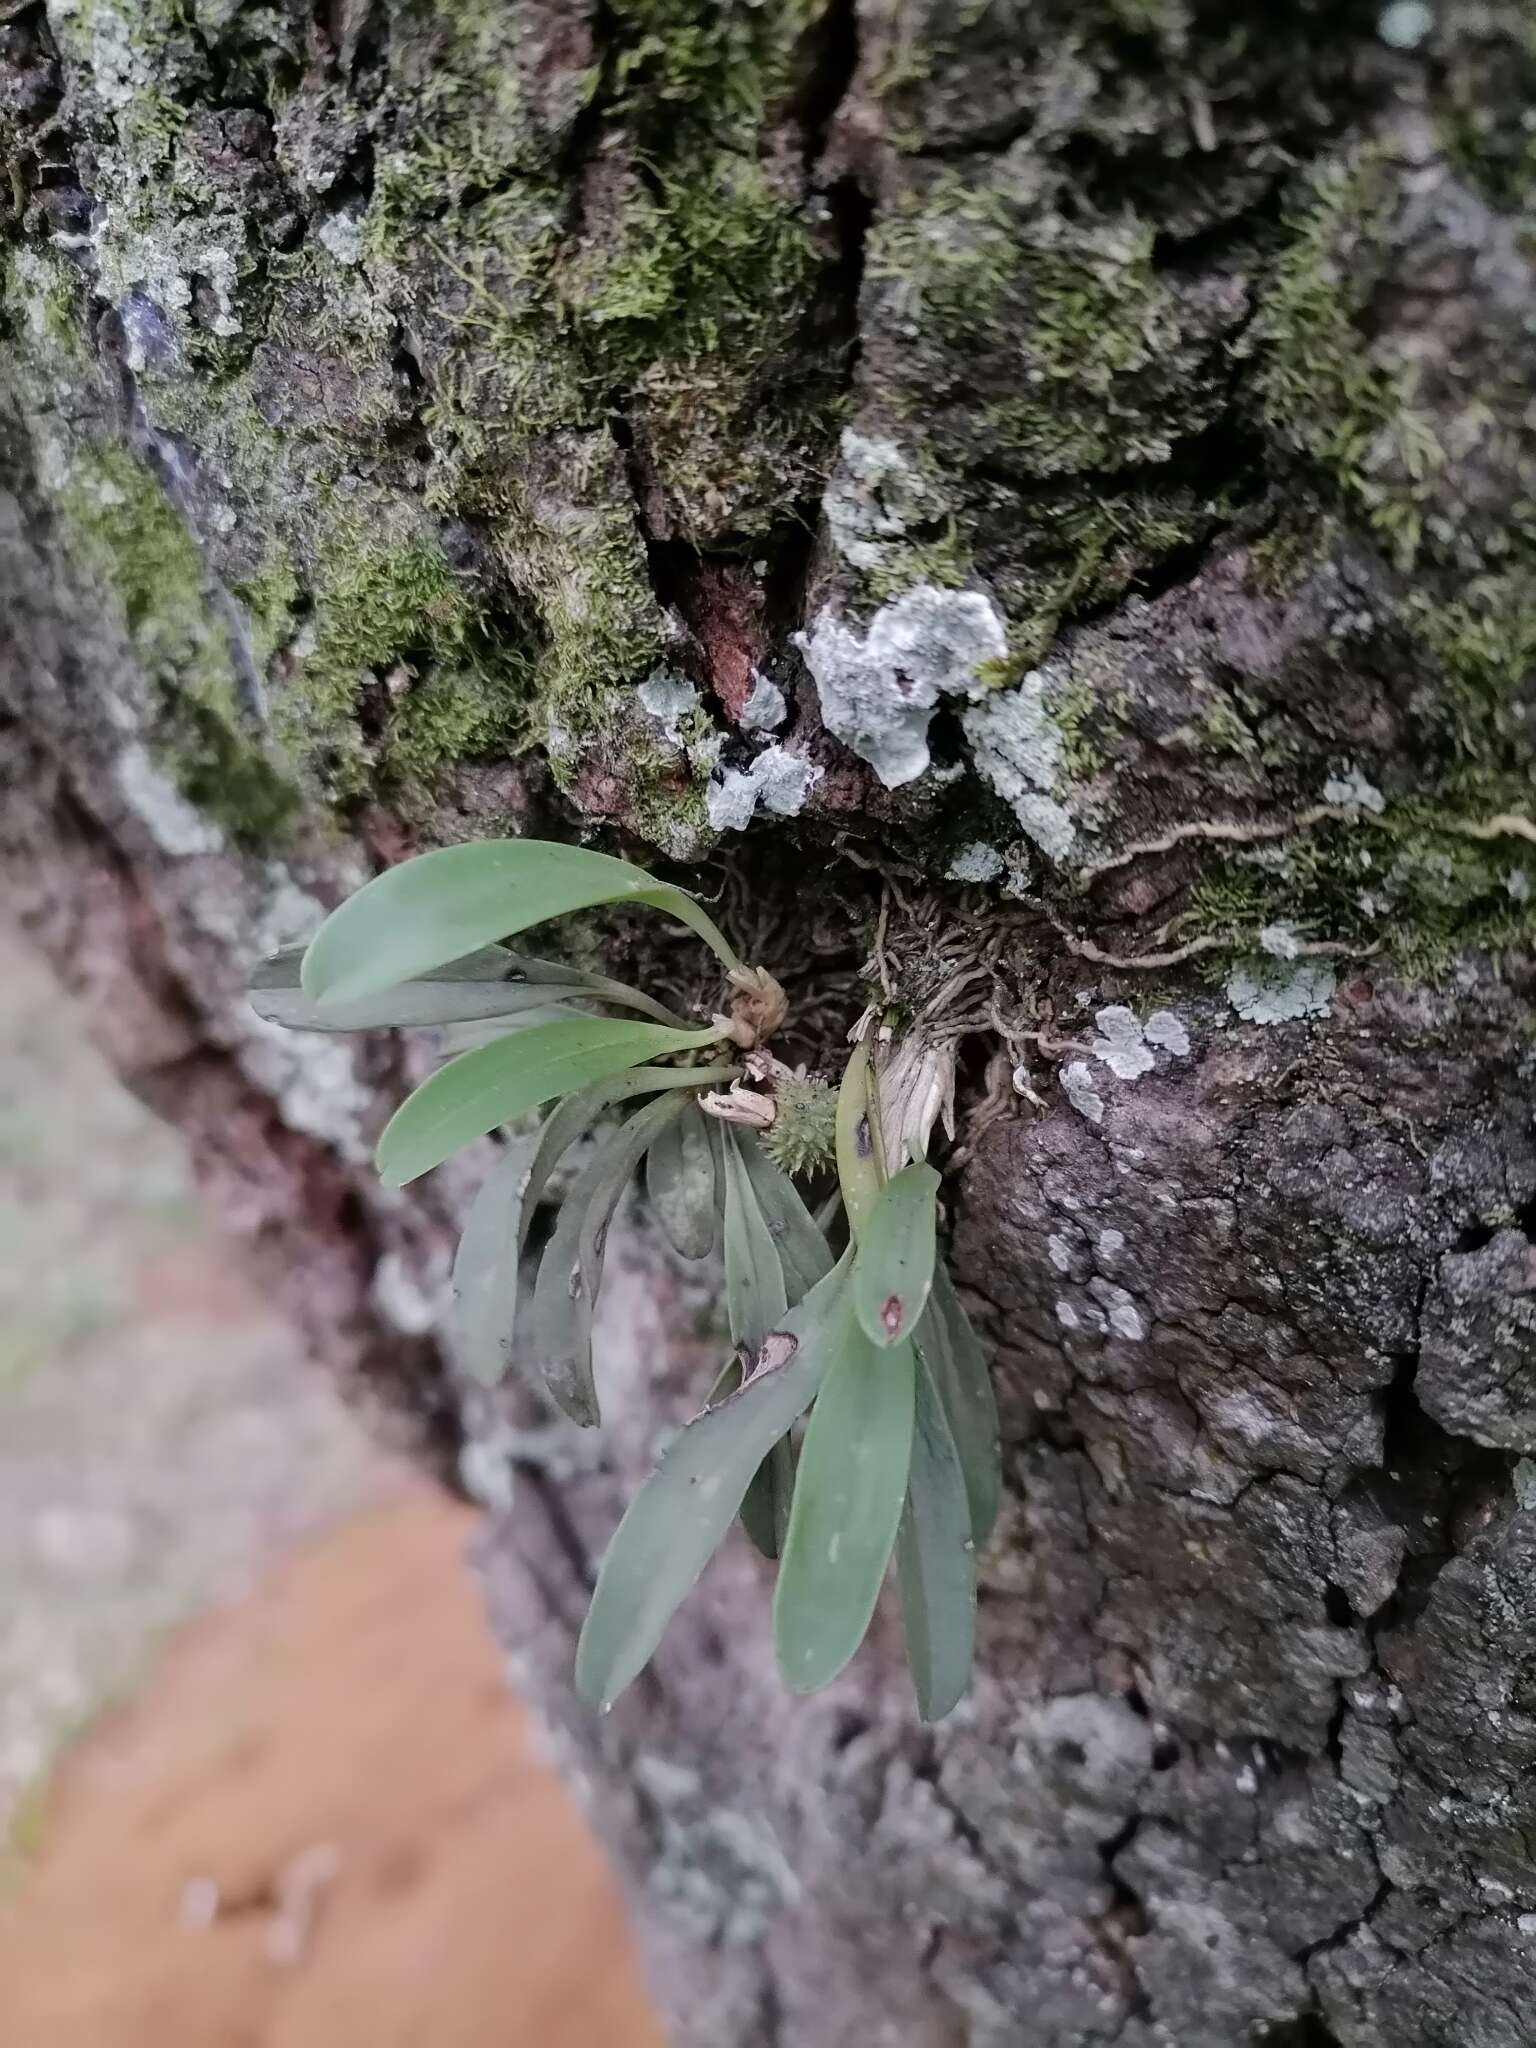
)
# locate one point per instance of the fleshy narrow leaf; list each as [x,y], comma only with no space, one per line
[449,1040]
[957,1365]
[486,984]
[849,1490]
[755,1296]
[571,1270]
[678,1517]
[443,905]
[936,1560]
[485,1266]
[803,1250]
[858,1163]
[681,1179]
[480,1090]
[595,988]
[766,1504]
[894,1269]
[577,1113]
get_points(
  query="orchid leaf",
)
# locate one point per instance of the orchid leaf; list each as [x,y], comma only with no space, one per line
[755,1296]
[677,1519]
[442,905]
[858,1164]
[483,1089]
[894,1269]
[803,1250]
[681,1179]
[485,1266]
[486,984]
[949,1348]
[849,1490]
[936,1560]
[571,1269]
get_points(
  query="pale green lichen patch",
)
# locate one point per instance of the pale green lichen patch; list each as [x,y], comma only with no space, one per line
[1269,992]
[47,293]
[1018,750]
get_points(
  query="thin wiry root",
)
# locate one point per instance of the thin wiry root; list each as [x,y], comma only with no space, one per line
[1237,832]
[1085,949]
[1230,831]
[1507,825]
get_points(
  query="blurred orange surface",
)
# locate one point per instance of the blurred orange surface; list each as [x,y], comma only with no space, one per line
[320,1826]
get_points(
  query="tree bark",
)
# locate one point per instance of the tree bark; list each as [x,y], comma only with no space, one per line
[1108,427]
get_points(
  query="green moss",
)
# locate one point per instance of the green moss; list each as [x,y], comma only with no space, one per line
[722,61]
[134,538]
[691,301]
[1408,885]
[1324,392]
[690,263]
[1052,352]
[1303,537]
[1485,639]
[1088,549]
[400,671]
[1075,713]
[43,297]
[1485,89]
[1075,345]
[676,300]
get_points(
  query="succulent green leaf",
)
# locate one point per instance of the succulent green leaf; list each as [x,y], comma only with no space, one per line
[894,1268]
[858,1163]
[485,1266]
[571,1269]
[577,1113]
[442,905]
[595,988]
[480,1090]
[949,1349]
[681,1179]
[677,1519]
[486,984]
[755,1295]
[803,1250]
[849,1490]
[766,1503]
[936,1560]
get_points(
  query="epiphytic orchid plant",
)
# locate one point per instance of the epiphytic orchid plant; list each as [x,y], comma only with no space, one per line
[899,1453]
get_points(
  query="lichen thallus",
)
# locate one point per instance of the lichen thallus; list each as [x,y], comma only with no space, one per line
[864,1333]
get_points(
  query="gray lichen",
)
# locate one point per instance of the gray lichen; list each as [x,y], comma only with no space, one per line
[1166,1028]
[778,780]
[878,690]
[1077,1079]
[1018,749]
[1266,993]
[1121,1043]
[763,708]
[977,862]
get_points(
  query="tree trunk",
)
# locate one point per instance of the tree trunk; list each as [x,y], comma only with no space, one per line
[1107,424]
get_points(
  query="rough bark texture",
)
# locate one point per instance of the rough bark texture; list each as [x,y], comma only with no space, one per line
[1107,425]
